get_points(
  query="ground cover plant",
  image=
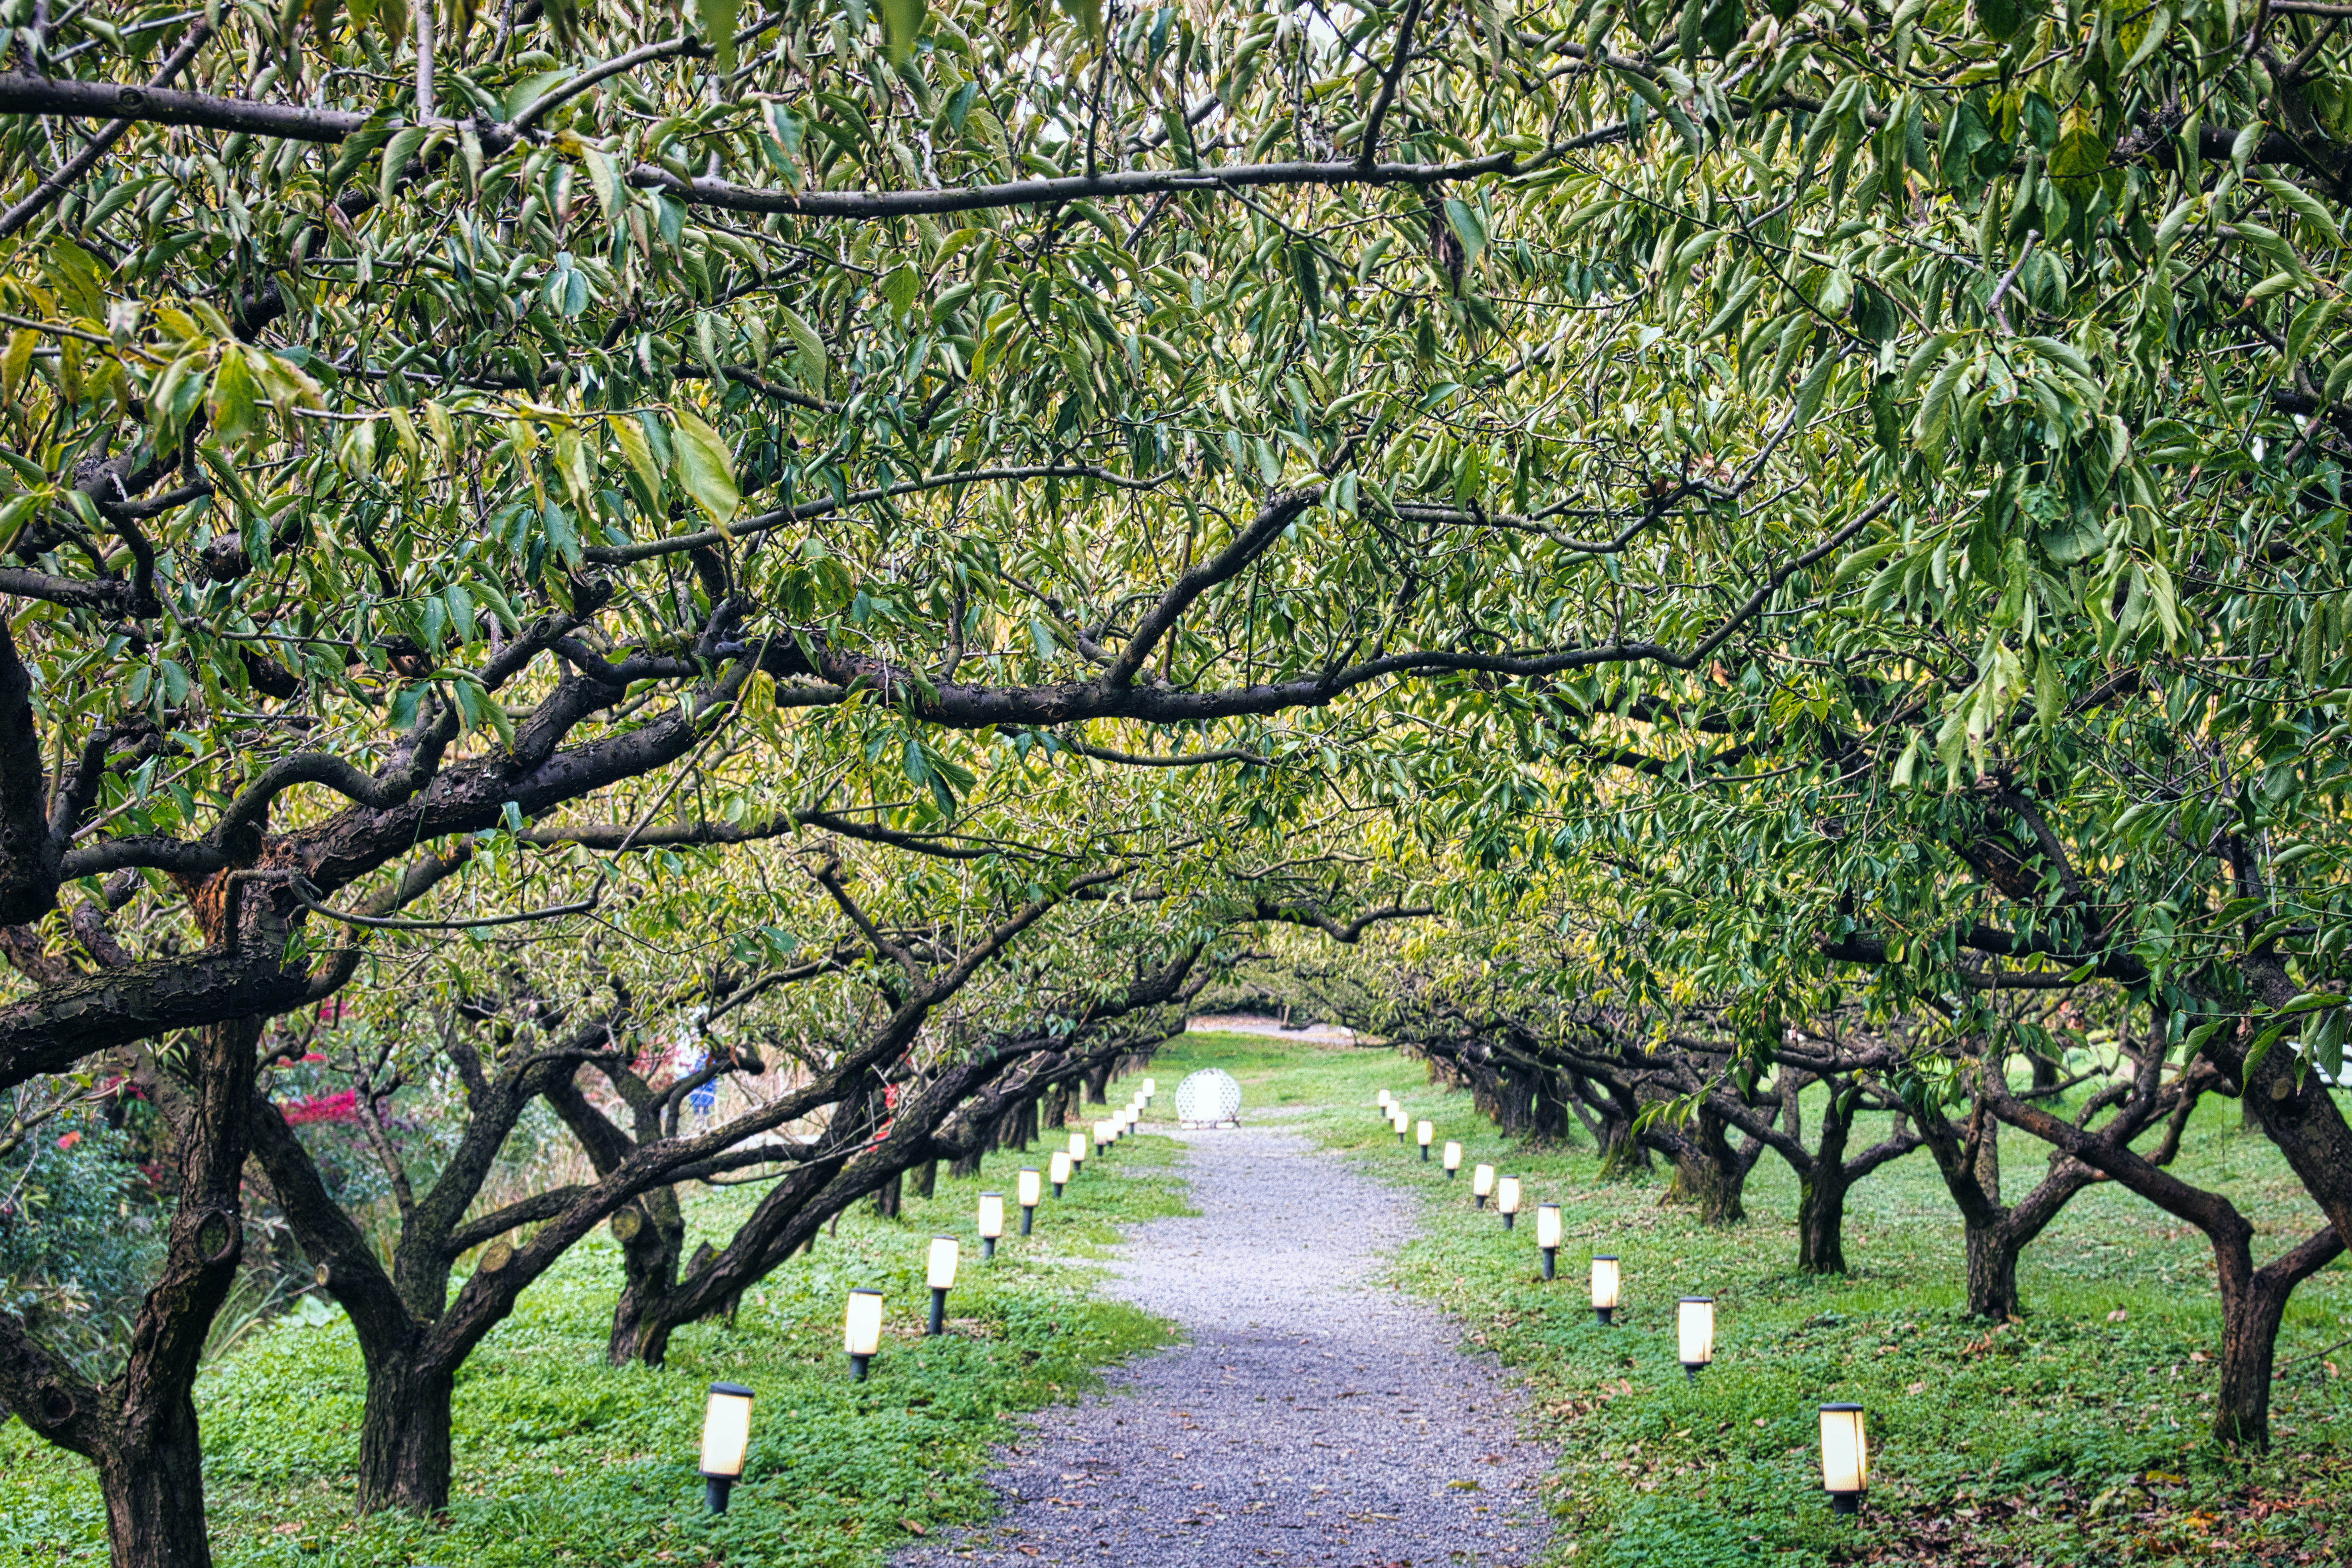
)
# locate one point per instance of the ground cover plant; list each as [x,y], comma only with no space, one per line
[563,1459]
[2077,1435]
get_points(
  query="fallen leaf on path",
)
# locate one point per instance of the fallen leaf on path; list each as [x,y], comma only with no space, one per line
[911,1528]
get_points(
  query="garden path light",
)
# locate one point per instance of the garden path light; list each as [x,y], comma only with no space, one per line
[726,1433]
[1695,1332]
[1482,1184]
[1506,1199]
[1058,1168]
[941,1276]
[862,1331]
[1452,1160]
[1547,1235]
[1031,1190]
[1426,1132]
[1845,1457]
[992,1223]
[1605,1281]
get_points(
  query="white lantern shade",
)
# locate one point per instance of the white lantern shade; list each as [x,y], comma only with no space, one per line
[1605,1279]
[1060,1167]
[1383,1101]
[1102,1132]
[1482,1181]
[862,1332]
[992,1215]
[941,1272]
[1845,1450]
[1452,1156]
[1506,1195]
[1426,1132]
[1077,1148]
[1150,1087]
[1547,1225]
[1694,1330]
[1400,1121]
[1032,1188]
[727,1431]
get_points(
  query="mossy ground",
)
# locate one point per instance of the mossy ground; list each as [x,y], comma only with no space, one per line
[2076,1436]
[562,1460]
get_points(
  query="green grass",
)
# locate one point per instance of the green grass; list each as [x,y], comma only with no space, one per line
[559,1459]
[2070,1438]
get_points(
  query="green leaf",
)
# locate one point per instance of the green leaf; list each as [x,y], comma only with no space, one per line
[397,154]
[1041,637]
[812,361]
[1811,390]
[704,466]
[1469,225]
[2304,204]
[902,23]
[720,20]
[607,181]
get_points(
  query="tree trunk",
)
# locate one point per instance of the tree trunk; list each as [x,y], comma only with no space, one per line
[887,1198]
[404,1437]
[1099,1085]
[652,1235]
[1820,1221]
[926,1178]
[155,1495]
[2250,1326]
[151,1472]
[1708,1174]
[1992,1272]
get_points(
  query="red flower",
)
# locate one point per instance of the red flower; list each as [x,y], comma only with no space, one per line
[342,1107]
[69,1140]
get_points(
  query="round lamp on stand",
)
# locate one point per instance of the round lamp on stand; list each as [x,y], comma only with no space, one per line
[1547,1235]
[1482,1184]
[1506,1200]
[1452,1160]
[1425,1134]
[1058,1168]
[1030,1189]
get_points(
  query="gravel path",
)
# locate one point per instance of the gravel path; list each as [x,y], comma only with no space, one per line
[1310,1417]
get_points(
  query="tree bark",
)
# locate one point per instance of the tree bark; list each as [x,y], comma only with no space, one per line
[1992,1253]
[926,1178]
[1820,1221]
[405,1437]
[1709,1173]
[652,1234]
[155,1495]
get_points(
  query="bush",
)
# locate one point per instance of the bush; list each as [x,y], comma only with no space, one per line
[80,1238]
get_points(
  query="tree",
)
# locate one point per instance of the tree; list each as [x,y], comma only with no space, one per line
[416,1333]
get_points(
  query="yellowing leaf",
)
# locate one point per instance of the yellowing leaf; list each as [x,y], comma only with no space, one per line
[706,468]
